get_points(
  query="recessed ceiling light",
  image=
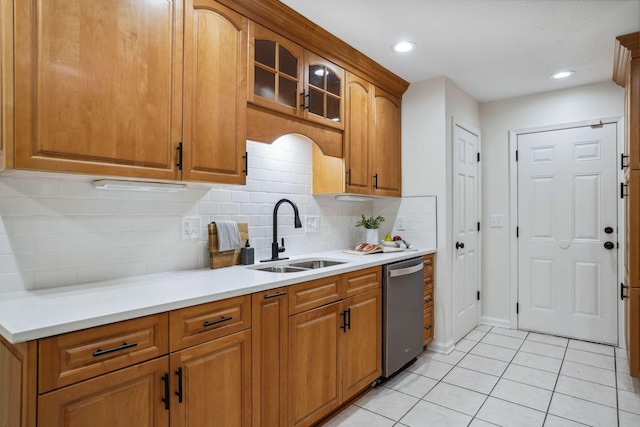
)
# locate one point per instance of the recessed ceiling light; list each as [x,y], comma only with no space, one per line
[563,74]
[403,47]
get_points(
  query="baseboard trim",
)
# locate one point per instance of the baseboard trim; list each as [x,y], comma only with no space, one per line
[495,321]
[440,347]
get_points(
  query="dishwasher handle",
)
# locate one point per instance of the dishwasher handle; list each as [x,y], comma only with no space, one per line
[407,270]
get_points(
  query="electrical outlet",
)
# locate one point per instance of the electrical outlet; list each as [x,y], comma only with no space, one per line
[496,221]
[190,228]
[401,224]
[312,224]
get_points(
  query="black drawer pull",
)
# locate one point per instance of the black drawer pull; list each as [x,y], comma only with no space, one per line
[179,392]
[278,294]
[215,322]
[124,346]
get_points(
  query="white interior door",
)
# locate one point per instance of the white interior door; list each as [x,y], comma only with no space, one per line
[566,200]
[466,265]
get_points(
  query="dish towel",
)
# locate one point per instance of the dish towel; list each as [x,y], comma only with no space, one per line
[228,235]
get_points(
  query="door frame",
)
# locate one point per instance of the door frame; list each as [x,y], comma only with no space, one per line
[455,122]
[513,208]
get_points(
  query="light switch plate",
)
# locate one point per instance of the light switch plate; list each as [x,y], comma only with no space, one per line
[496,221]
[401,223]
[190,228]
[312,224]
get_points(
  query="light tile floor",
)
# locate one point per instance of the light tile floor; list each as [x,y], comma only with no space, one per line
[504,377]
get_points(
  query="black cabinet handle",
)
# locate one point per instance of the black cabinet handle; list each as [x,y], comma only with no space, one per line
[346,319]
[165,399]
[305,100]
[375,181]
[349,176]
[179,148]
[622,165]
[246,163]
[622,193]
[124,346]
[622,288]
[179,392]
[278,294]
[215,322]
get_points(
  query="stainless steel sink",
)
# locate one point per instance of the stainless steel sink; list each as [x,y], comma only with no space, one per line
[297,266]
[316,263]
[281,269]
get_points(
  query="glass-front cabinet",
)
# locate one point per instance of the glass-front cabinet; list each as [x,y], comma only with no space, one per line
[286,78]
[275,71]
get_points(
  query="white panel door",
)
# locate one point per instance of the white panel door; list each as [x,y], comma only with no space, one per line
[566,199]
[466,266]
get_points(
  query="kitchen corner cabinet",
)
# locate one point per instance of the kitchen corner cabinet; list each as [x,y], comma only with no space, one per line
[372,153]
[107,90]
[428,314]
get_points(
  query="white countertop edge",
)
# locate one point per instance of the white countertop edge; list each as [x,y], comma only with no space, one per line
[30,315]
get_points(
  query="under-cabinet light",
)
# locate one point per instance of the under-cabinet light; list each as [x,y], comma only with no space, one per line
[159,187]
[349,198]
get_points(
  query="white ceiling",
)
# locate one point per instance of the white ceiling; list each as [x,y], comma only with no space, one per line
[492,49]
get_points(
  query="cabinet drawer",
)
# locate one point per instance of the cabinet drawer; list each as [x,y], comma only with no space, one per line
[428,296]
[428,266]
[76,356]
[361,281]
[315,293]
[427,332]
[204,322]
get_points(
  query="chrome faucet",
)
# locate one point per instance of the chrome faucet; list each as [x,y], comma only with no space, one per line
[275,248]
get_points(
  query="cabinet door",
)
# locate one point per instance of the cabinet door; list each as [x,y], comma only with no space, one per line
[213,383]
[275,71]
[269,337]
[130,397]
[362,342]
[6,82]
[632,326]
[385,154]
[215,95]
[98,87]
[323,91]
[632,113]
[632,229]
[357,135]
[315,364]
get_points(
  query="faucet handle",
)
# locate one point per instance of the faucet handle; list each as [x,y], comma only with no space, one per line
[282,248]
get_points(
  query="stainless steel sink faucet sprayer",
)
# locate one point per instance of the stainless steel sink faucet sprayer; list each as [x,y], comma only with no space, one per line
[275,248]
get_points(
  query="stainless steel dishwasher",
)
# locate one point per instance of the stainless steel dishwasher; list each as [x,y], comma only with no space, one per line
[402,314]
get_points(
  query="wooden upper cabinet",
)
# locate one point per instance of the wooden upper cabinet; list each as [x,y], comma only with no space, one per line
[632,113]
[275,71]
[6,83]
[386,145]
[323,91]
[357,135]
[215,96]
[98,87]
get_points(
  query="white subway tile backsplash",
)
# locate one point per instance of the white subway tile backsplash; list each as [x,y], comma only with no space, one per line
[57,231]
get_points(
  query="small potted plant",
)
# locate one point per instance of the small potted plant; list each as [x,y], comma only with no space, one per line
[371,226]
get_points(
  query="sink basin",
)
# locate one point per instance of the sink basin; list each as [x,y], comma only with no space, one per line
[316,263]
[297,266]
[281,269]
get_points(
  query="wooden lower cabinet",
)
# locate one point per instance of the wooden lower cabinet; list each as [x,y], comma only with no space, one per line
[632,330]
[211,383]
[18,372]
[130,397]
[269,352]
[428,317]
[362,349]
[315,364]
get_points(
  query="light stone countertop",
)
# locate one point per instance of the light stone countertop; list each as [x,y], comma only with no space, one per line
[29,315]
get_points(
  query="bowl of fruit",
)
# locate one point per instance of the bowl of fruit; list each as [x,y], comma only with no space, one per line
[392,242]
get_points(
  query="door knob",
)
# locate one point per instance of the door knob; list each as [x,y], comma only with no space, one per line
[459,245]
[608,245]
[608,230]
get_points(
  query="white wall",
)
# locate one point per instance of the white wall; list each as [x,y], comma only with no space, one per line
[498,118]
[428,111]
